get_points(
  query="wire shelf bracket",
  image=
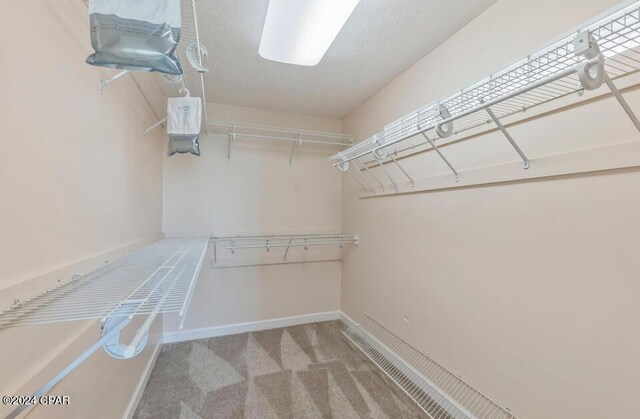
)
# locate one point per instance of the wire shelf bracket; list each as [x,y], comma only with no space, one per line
[295,145]
[622,101]
[155,125]
[494,118]
[105,82]
[230,139]
[437,150]
[595,54]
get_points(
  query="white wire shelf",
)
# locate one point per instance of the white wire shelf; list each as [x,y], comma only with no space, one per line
[159,278]
[595,53]
[286,241]
[296,136]
[440,393]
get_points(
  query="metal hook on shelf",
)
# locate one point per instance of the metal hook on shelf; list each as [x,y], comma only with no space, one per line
[590,73]
[112,345]
[194,57]
[444,130]
[593,75]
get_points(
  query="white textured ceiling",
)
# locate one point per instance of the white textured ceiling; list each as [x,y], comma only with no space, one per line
[381,39]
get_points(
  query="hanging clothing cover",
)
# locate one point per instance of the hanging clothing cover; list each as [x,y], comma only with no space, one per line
[139,35]
[184,116]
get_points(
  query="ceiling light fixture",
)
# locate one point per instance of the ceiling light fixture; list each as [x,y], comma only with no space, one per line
[301,31]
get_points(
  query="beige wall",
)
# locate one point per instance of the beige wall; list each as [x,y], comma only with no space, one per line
[79,185]
[527,289]
[256,192]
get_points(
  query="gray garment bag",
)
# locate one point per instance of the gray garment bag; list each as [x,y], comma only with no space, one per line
[139,36]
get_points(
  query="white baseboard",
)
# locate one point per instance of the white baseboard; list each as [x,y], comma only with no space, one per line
[232,329]
[144,379]
[346,319]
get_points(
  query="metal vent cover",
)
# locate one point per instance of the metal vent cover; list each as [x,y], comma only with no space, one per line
[440,393]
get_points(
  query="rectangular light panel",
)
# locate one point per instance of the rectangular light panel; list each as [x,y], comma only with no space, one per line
[301,31]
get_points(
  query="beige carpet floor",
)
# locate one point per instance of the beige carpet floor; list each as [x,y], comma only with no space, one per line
[305,371]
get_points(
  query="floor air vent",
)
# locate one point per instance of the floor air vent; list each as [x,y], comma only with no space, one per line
[439,392]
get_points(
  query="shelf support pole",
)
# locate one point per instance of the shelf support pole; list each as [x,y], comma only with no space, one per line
[105,82]
[508,136]
[366,180]
[232,136]
[437,150]
[393,183]
[287,250]
[364,188]
[72,366]
[370,173]
[344,168]
[296,144]
[155,125]
[622,101]
[413,184]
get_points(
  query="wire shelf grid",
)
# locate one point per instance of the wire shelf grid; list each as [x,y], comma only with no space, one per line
[159,278]
[538,79]
[240,129]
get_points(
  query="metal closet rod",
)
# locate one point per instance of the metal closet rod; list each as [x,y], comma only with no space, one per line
[278,236]
[297,244]
[287,241]
[280,129]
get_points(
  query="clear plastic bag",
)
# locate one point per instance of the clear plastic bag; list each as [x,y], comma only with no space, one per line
[139,35]
[184,119]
